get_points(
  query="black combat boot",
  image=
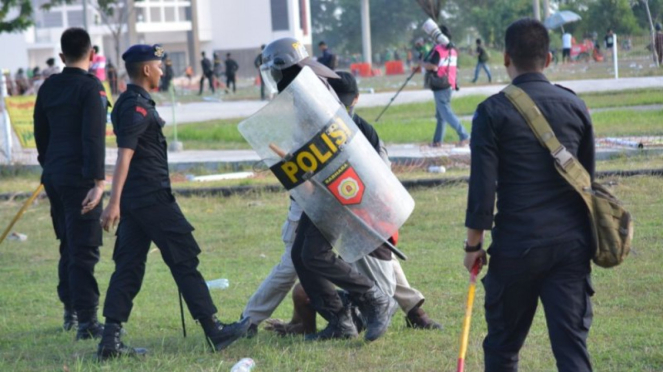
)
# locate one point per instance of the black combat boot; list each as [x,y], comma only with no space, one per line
[88,325]
[220,335]
[377,308]
[112,347]
[70,319]
[340,326]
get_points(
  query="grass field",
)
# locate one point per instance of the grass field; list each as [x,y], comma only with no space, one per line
[240,241]
[415,123]
[25,181]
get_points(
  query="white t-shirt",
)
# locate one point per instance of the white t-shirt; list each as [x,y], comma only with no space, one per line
[566,41]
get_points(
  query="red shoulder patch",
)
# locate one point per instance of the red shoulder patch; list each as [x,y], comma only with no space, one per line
[141,111]
[102,93]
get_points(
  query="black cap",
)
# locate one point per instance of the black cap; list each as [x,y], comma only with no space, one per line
[345,87]
[143,53]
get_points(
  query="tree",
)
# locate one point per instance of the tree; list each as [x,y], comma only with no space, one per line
[490,18]
[338,23]
[615,14]
[432,8]
[114,15]
[20,10]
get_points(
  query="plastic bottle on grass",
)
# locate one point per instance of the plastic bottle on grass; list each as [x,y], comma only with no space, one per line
[218,284]
[437,169]
[244,365]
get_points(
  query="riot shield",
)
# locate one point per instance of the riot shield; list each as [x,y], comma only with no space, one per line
[317,152]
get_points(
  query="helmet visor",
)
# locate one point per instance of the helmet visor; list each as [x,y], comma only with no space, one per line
[270,76]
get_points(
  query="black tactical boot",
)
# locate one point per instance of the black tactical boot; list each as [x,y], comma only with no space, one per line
[70,319]
[88,326]
[220,335]
[340,326]
[112,347]
[377,308]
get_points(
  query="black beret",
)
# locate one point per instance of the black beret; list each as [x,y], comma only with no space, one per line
[143,53]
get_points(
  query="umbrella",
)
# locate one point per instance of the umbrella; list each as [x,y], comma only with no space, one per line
[559,19]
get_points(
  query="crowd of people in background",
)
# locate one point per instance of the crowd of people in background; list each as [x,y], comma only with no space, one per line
[222,74]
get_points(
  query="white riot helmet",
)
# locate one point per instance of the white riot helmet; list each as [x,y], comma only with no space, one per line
[284,53]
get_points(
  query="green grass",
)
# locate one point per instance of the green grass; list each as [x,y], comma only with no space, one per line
[624,98]
[240,241]
[628,123]
[25,181]
[415,123]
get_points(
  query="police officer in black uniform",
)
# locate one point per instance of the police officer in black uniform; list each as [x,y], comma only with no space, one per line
[142,194]
[318,268]
[69,127]
[541,244]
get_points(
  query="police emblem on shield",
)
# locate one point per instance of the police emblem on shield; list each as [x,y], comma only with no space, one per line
[346,185]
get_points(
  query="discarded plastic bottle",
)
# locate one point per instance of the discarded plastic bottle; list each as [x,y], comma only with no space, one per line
[218,284]
[244,365]
[437,169]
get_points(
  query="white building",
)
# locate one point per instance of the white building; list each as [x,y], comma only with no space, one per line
[236,26]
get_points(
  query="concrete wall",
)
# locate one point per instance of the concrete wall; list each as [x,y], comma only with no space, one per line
[14,53]
[241,27]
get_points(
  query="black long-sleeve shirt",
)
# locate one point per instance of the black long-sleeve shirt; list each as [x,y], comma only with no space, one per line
[231,67]
[535,205]
[138,127]
[70,125]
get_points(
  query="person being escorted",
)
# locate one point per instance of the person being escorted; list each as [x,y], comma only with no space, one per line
[441,64]
[70,130]
[317,266]
[274,288]
[482,62]
[541,235]
[142,195]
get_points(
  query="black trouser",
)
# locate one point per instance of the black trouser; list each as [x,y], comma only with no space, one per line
[319,269]
[262,89]
[210,78]
[560,277]
[161,222]
[230,79]
[80,238]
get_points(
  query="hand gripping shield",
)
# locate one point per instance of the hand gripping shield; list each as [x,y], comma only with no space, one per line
[317,152]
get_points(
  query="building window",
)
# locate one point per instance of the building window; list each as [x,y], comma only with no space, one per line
[169,13]
[75,18]
[179,62]
[52,19]
[155,15]
[280,15]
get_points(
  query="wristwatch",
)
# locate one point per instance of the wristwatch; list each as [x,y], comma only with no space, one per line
[470,249]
